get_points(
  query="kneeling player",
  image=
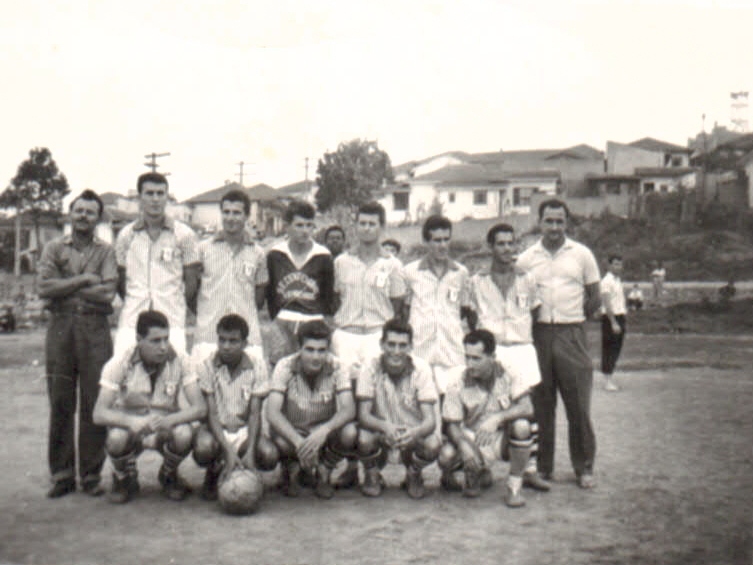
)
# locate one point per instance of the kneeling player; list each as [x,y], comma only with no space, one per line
[485,421]
[138,402]
[310,411]
[234,386]
[396,399]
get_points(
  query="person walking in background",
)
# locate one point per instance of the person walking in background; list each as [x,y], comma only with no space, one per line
[612,320]
[658,275]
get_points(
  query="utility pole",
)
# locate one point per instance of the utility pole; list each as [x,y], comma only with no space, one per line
[240,174]
[153,161]
[306,167]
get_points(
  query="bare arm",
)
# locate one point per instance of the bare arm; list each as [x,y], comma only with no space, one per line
[196,409]
[213,422]
[346,411]
[105,415]
[59,287]
[254,425]
[592,299]
[278,422]
[607,302]
[427,425]
[103,292]
[367,419]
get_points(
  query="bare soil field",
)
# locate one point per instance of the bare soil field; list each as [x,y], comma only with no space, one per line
[674,466]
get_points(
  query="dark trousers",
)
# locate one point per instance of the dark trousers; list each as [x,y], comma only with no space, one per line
[565,366]
[611,343]
[77,348]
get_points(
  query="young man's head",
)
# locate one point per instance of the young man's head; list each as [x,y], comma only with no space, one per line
[553,216]
[153,337]
[152,189]
[334,240]
[437,231]
[391,246]
[235,207]
[85,211]
[369,222]
[232,338]
[299,217]
[314,339]
[614,265]
[397,340]
[479,348]
[501,240]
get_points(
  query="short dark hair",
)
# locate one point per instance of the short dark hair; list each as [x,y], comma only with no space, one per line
[237,196]
[491,235]
[149,319]
[399,327]
[314,329]
[553,203]
[232,323]
[614,257]
[394,243]
[481,336]
[373,208]
[299,208]
[92,197]
[332,229]
[435,222]
[156,178]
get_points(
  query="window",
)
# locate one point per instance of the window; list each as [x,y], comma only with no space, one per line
[400,201]
[522,196]
[677,161]
[664,188]
[451,197]
[479,197]
[648,187]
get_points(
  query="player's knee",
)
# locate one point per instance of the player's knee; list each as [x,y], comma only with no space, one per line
[181,439]
[430,447]
[118,441]
[283,446]
[447,455]
[520,429]
[368,442]
[205,448]
[267,454]
[348,436]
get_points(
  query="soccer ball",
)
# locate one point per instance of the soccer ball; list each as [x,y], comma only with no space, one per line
[240,492]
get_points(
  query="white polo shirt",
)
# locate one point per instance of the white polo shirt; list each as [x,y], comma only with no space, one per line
[611,291]
[561,278]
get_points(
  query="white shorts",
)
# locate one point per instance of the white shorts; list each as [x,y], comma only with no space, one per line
[353,350]
[443,377]
[125,337]
[238,438]
[522,364]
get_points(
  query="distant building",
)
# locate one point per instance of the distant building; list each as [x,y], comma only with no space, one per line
[301,190]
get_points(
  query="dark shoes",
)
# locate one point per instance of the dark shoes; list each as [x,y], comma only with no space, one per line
[92,488]
[209,488]
[323,488]
[586,481]
[414,483]
[449,482]
[123,489]
[61,488]
[534,480]
[173,486]
[349,477]
[373,483]
[472,487]
[290,484]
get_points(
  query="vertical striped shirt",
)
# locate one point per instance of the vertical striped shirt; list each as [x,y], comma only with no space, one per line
[228,285]
[365,290]
[508,317]
[469,403]
[435,311]
[127,375]
[397,401]
[233,390]
[305,406]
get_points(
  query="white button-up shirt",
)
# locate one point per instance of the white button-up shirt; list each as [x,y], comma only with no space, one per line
[613,293]
[561,278]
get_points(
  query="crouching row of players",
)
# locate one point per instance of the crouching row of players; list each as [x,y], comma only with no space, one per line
[311,413]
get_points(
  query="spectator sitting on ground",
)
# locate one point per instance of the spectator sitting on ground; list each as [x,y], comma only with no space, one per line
[635,298]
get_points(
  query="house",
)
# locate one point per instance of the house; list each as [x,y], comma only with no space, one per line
[301,190]
[50,226]
[265,214]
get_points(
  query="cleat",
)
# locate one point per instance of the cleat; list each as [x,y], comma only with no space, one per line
[123,489]
[611,386]
[485,478]
[61,488]
[92,488]
[373,483]
[349,477]
[209,488]
[173,486]
[586,481]
[323,488]
[535,481]
[414,483]
[290,484]
[514,498]
[472,488]
[450,483]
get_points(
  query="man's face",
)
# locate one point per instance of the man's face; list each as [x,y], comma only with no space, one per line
[505,247]
[234,217]
[395,349]
[84,216]
[616,266]
[154,346]
[313,355]
[300,230]
[389,248]
[439,244]
[553,223]
[368,228]
[335,241]
[480,365]
[230,346]
[153,198]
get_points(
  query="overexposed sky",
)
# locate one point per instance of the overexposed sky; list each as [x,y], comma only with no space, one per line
[103,83]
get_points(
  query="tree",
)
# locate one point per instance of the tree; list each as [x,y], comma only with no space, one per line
[349,175]
[38,187]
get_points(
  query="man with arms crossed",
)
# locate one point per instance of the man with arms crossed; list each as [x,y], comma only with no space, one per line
[157,263]
[78,275]
[567,276]
[138,402]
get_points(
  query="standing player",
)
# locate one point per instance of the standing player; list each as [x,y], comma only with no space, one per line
[396,405]
[370,289]
[334,240]
[567,275]
[301,278]
[138,402]
[613,322]
[506,300]
[488,412]
[158,265]
[78,275]
[234,386]
[233,276]
[310,411]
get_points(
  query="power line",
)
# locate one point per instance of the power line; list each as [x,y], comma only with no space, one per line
[153,161]
[240,174]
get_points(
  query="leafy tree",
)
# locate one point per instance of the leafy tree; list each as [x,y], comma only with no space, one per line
[37,188]
[349,175]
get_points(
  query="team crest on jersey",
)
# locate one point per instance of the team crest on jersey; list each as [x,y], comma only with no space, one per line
[170,389]
[248,269]
[168,254]
[297,286]
[246,392]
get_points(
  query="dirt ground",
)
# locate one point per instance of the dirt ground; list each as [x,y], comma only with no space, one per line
[674,466]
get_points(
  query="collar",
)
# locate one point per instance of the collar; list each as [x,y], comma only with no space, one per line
[423,264]
[135,358]
[167,223]
[68,240]
[316,249]
[222,236]
[567,244]
[407,370]
[353,252]
[245,364]
[498,372]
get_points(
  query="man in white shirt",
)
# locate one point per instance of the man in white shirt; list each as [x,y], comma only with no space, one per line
[612,320]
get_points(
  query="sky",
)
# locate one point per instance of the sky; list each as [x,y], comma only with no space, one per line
[104,83]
